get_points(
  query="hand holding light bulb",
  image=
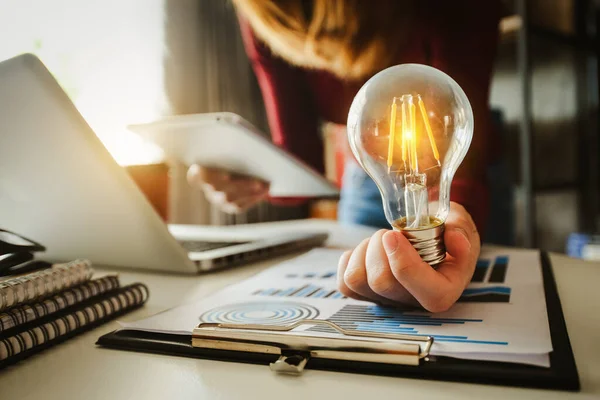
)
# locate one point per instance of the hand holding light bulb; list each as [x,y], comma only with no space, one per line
[410,126]
[387,269]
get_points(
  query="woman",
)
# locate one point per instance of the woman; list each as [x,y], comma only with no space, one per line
[310,59]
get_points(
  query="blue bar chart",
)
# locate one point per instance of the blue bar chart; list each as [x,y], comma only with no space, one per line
[492,294]
[481,269]
[313,275]
[305,291]
[377,319]
[486,270]
[490,271]
[498,274]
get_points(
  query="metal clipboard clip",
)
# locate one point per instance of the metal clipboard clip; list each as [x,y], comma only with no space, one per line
[296,350]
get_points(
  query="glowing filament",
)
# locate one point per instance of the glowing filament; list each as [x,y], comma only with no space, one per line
[390,157]
[404,131]
[413,142]
[436,154]
[408,134]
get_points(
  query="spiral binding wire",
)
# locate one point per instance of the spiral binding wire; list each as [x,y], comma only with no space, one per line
[78,320]
[41,284]
[31,312]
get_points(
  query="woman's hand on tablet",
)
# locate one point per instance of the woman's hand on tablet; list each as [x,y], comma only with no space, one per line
[231,192]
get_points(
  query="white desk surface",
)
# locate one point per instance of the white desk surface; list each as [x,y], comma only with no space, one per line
[78,369]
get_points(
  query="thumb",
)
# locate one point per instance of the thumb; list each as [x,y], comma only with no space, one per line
[401,254]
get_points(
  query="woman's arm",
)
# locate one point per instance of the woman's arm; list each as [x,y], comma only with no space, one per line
[290,108]
[291,112]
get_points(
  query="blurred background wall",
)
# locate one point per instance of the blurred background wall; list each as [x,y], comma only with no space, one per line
[563,79]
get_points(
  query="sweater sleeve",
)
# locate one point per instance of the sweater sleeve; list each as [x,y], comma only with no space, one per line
[291,112]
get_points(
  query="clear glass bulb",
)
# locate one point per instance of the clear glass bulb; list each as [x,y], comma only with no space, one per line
[410,126]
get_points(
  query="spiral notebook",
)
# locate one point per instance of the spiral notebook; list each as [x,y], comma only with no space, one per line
[54,329]
[18,316]
[35,286]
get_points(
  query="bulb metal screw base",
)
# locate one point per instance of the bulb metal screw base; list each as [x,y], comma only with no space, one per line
[429,243]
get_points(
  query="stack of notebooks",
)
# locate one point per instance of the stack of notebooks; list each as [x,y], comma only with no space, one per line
[42,308]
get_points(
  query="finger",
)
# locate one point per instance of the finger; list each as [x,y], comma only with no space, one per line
[198,175]
[234,201]
[345,290]
[245,203]
[462,244]
[379,275]
[193,174]
[355,276]
[213,196]
[235,192]
[248,185]
[210,175]
[252,184]
[429,287]
[229,208]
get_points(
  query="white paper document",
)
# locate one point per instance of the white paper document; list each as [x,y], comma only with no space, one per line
[501,316]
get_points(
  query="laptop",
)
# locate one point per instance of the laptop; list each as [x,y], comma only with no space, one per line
[60,187]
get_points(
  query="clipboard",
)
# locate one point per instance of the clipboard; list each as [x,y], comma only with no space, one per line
[407,357]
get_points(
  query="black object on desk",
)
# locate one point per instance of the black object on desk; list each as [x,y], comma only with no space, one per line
[562,374]
[16,254]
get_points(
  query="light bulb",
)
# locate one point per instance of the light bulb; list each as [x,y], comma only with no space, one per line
[410,126]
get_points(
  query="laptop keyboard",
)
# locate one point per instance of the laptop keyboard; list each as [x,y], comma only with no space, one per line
[199,246]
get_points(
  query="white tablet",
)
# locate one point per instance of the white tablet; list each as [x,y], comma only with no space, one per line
[227,141]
